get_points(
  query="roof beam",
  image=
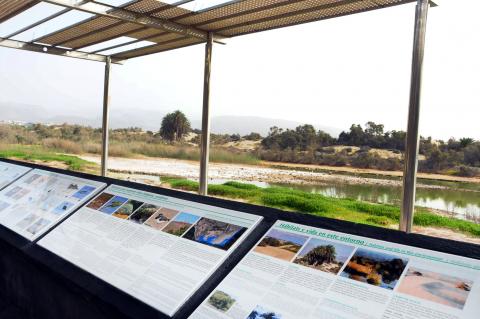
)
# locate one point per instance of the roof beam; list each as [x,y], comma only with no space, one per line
[130,42]
[133,17]
[165,8]
[42,21]
[20,45]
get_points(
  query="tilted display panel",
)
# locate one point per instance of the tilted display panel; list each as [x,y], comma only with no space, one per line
[40,199]
[11,172]
[298,271]
[158,249]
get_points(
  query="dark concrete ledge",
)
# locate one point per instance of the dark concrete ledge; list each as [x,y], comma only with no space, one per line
[38,284]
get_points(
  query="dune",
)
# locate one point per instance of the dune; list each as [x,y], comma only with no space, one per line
[441,292]
[276,252]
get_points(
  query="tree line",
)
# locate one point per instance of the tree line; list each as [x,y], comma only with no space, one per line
[306,145]
[357,147]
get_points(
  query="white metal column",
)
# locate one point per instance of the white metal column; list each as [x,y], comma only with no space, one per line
[412,140]
[205,141]
[105,128]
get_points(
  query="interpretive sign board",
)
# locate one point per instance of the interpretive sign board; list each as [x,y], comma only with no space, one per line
[158,249]
[40,199]
[297,271]
[10,172]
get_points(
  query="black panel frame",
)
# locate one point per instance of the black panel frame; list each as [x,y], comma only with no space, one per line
[33,275]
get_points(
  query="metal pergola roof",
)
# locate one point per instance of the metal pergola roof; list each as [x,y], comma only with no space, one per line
[152,26]
[169,26]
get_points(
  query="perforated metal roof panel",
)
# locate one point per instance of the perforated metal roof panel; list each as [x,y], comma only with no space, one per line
[187,27]
[9,8]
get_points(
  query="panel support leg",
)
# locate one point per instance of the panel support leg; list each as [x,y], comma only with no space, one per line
[412,139]
[205,140]
[105,117]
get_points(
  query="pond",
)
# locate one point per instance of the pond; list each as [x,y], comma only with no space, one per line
[459,200]
[462,201]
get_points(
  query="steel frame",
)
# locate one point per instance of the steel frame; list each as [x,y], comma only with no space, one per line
[105,117]
[33,47]
[205,140]
[133,17]
[164,26]
[412,140]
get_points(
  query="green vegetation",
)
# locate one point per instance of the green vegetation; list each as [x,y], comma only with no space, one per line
[359,148]
[35,153]
[174,126]
[369,147]
[316,204]
[221,300]
[130,142]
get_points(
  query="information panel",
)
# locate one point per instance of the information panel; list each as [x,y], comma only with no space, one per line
[10,172]
[40,199]
[298,271]
[156,248]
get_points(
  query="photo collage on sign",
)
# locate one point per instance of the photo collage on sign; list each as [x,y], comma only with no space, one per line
[52,195]
[196,228]
[364,265]
[436,287]
[223,302]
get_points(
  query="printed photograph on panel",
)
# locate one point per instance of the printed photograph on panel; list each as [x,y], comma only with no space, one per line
[375,268]
[83,192]
[221,301]
[215,233]
[62,208]
[29,219]
[99,201]
[113,204]
[181,223]
[3,205]
[261,312]
[38,226]
[144,213]
[324,255]
[436,287]
[280,244]
[161,218]
[127,209]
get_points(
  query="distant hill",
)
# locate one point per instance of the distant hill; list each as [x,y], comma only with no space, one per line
[146,119]
[246,124]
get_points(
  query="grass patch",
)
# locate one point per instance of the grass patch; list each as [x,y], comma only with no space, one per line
[36,153]
[316,204]
[134,148]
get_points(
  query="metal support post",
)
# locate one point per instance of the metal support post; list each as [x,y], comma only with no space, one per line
[412,139]
[106,100]
[205,141]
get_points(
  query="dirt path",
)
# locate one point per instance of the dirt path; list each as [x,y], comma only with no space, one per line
[239,172]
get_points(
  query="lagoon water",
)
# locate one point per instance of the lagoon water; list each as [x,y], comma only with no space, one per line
[460,200]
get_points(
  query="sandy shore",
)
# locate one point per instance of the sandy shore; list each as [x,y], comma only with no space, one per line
[276,252]
[353,170]
[190,169]
[238,172]
[433,289]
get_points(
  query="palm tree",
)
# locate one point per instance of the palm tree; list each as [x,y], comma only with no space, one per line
[174,126]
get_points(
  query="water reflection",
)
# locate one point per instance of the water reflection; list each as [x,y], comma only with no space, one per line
[457,203]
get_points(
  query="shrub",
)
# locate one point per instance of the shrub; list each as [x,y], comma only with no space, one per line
[60,145]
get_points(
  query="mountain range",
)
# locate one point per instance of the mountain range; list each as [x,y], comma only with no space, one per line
[146,119]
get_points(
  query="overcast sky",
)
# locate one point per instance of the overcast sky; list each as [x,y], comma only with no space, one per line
[335,72]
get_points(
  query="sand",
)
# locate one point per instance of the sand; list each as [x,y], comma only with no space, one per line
[239,172]
[276,252]
[445,294]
